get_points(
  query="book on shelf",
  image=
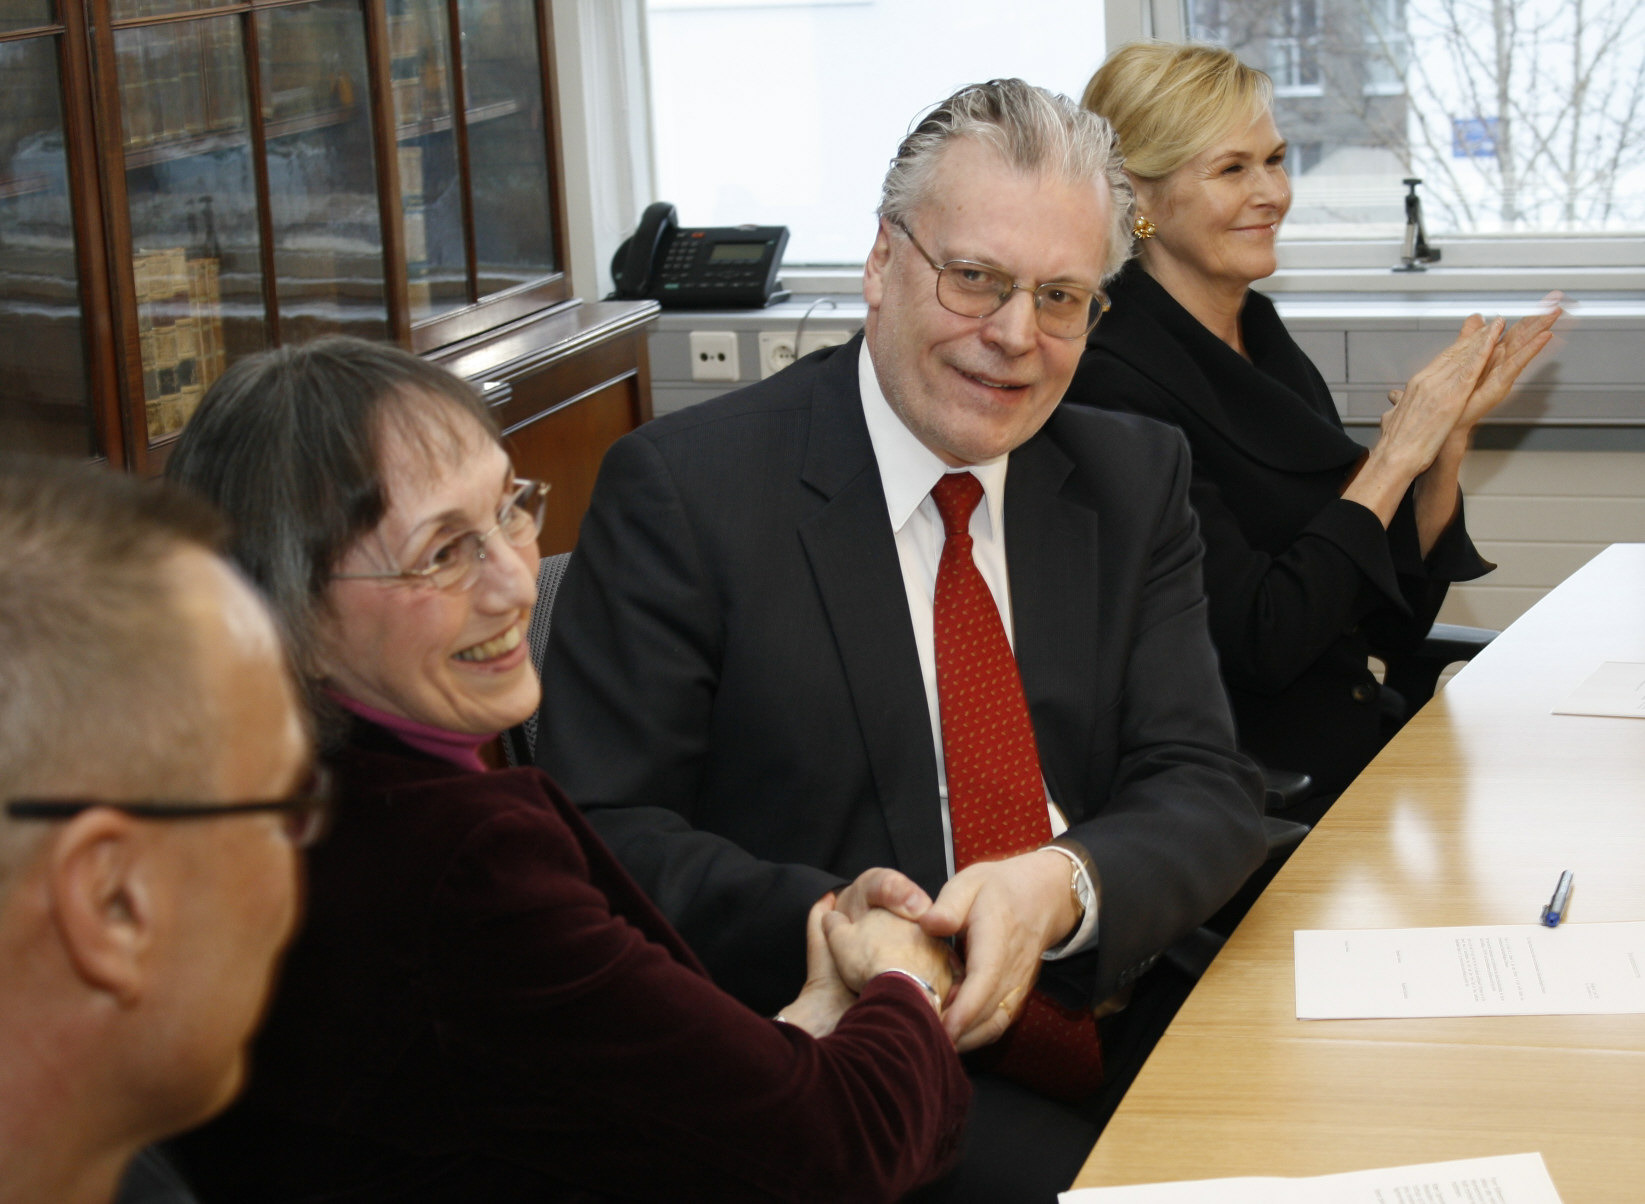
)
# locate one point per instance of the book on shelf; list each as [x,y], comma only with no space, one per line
[179,80]
[180,333]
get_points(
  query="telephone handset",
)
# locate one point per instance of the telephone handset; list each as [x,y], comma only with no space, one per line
[716,266]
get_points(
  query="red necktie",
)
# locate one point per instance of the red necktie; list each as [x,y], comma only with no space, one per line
[996,794]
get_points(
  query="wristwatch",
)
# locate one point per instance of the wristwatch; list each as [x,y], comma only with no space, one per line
[1082,877]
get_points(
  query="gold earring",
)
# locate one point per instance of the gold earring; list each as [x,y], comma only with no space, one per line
[1143,228]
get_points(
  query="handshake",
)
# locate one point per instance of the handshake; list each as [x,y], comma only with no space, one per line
[1004,913]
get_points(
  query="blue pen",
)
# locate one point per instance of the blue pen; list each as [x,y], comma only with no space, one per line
[1555,911]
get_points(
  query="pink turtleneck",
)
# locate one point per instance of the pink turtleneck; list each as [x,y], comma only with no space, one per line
[460,748]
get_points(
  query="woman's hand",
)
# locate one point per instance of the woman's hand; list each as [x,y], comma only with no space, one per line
[825,996]
[1424,420]
[879,940]
[1511,355]
[1428,409]
[1509,358]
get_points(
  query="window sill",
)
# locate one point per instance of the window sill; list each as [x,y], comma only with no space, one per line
[1380,281]
[1577,281]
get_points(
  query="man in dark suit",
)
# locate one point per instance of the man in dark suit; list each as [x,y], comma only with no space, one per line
[741,686]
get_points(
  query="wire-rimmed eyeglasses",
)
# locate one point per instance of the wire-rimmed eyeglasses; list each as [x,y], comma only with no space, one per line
[305,815]
[455,564]
[976,290]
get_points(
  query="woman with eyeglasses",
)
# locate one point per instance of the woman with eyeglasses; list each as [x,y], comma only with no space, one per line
[1316,550]
[482,1005]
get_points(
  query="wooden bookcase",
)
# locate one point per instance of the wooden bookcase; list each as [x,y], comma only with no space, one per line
[186,181]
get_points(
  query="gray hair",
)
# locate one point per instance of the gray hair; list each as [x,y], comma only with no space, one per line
[1034,132]
[289,445]
[95,687]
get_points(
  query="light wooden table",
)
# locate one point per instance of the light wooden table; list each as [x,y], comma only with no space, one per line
[1467,817]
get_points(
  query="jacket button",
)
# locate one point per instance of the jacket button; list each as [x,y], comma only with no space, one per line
[1363,691]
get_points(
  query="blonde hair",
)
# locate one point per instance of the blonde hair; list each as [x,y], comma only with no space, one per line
[1170,101]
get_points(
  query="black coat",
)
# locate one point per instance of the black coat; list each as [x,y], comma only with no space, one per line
[1303,584]
[735,697]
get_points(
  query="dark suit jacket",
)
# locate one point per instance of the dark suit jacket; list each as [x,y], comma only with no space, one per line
[482,1006]
[1303,585]
[736,699]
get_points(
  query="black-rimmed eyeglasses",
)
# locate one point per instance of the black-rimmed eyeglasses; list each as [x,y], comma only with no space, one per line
[306,814]
[976,290]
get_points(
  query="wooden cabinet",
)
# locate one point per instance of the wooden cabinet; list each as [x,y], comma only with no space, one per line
[565,386]
[186,181]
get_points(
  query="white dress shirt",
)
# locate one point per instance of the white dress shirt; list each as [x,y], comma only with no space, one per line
[908,470]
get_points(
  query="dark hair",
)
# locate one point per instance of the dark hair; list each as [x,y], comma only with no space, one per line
[93,657]
[288,443]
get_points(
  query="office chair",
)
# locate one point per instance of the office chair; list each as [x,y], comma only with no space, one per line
[520,741]
[153,1179]
[1414,674]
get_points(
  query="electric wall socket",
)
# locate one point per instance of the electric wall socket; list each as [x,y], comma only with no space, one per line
[714,355]
[777,346]
[776,351]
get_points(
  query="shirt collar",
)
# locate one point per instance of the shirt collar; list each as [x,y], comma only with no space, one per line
[908,468]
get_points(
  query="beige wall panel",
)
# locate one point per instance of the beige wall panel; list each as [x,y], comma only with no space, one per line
[1538,565]
[1557,519]
[1574,473]
[1483,606]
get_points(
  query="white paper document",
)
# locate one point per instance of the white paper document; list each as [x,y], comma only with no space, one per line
[1505,970]
[1506,1179]
[1616,688]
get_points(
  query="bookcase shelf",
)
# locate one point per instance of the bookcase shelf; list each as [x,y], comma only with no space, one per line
[22,186]
[477,115]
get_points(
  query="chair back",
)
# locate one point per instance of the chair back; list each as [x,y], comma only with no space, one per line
[520,741]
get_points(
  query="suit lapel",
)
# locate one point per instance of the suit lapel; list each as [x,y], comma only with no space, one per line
[1056,599]
[853,559]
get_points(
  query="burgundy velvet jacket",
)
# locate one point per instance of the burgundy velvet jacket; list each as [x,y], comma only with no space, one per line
[483,1006]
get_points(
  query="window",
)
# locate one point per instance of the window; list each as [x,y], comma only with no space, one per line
[785,112]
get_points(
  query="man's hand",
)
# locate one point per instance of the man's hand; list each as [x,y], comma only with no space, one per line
[882,887]
[1008,912]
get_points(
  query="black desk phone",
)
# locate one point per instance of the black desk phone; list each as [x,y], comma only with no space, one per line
[721,267]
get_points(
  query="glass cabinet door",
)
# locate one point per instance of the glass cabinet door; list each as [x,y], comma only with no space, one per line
[196,252]
[45,396]
[322,173]
[513,225]
[431,196]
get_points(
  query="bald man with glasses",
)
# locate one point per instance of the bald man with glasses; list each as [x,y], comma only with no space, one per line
[156,779]
[892,624]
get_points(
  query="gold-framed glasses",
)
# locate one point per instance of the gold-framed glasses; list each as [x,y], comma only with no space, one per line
[455,564]
[975,290]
